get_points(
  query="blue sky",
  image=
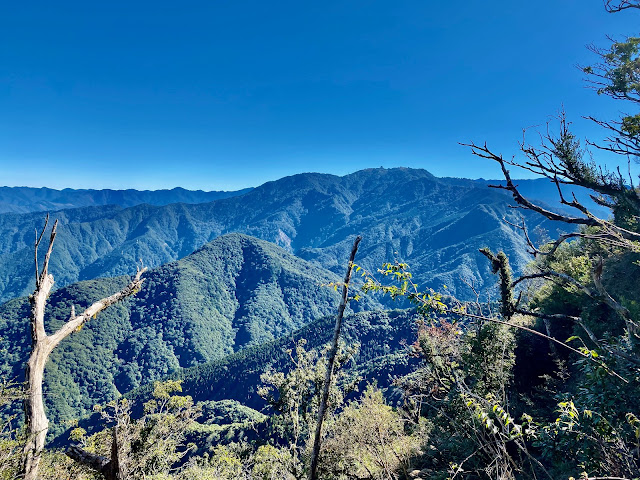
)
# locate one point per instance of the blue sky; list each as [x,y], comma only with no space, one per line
[228,94]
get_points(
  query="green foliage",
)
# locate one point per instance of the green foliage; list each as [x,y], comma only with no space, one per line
[403,287]
[224,463]
[271,463]
[10,437]
[488,355]
[56,465]
[295,395]
[228,412]
[619,77]
[369,439]
[382,336]
[153,444]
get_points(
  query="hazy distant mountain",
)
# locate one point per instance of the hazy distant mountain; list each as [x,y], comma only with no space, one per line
[436,226]
[27,199]
[234,292]
[544,191]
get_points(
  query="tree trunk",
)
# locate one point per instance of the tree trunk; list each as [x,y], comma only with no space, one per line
[315,454]
[36,421]
[37,424]
[110,469]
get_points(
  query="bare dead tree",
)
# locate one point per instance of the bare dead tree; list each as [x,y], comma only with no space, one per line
[42,345]
[560,160]
[614,6]
[315,454]
[109,468]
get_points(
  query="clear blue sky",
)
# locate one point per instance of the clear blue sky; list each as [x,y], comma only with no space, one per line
[225,94]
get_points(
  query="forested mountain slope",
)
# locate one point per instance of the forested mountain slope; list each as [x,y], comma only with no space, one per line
[28,199]
[383,355]
[383,338]
[405,214]
[233,292]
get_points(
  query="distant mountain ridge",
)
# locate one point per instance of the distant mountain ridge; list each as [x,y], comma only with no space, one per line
[29,199]
[435,225]
[544,191]
[234,292]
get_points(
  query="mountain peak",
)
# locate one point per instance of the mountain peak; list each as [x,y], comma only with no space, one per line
[417,172]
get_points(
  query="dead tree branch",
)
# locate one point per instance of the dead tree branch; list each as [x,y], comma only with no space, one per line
[315,454]
[109,468]
[614,6]
[610,232]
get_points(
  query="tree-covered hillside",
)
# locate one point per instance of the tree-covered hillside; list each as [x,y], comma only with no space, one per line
[233,292]
[383,338]
[408,214]
[382,355]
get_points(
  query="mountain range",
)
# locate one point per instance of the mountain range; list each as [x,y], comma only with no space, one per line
[28,199]
[435,225]
[234,278]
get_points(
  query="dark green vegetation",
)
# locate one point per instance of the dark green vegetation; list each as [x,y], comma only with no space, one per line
[233,292]
[227,389]
[436,225]
[27,199]
[383,339]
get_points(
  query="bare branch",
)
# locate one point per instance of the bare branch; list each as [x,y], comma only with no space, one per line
[545,316]
[45,266]
[77,321]
[94,462]
[600,293]
[331,362]
[611,233]
[535,251]
[110,468]
[614,6]
[37,244]
[620,142]
[484,152]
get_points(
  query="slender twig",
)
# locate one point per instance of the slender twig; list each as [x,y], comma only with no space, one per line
[331,362]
